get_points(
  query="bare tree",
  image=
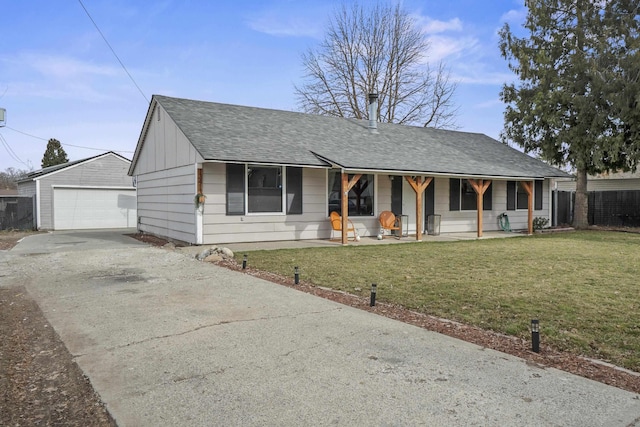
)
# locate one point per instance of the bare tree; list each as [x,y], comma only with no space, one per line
[9,178]
[376,49]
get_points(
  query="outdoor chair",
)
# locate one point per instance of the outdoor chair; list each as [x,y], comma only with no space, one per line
[336,225]
[388,221]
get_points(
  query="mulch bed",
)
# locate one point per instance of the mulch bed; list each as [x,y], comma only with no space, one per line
[40,384]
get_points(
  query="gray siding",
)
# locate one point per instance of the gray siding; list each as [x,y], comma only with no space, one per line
[106,171]
[609,184]
[27,188]
[465,221]
[164,146]
[314,224]
[166,203]
[221,228]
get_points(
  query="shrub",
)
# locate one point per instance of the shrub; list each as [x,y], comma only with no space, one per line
[539,223]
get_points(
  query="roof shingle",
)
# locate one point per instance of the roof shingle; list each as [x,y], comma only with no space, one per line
[232,133]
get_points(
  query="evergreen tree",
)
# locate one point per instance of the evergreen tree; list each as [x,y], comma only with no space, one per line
[54,155]
[576,102]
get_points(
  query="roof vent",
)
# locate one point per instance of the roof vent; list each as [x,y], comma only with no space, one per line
[373,112]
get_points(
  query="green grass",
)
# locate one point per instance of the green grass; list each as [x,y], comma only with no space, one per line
[583,286]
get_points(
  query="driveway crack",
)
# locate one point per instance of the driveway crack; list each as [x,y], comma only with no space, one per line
[213,325]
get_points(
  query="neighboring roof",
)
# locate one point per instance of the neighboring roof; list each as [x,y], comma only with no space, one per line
[8,192]
[51,169]
[232,133]
[616,175]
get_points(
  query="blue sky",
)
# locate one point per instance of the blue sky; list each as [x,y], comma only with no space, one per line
[59,79]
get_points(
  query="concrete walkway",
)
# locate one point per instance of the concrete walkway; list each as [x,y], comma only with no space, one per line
[169,341]
[364,241]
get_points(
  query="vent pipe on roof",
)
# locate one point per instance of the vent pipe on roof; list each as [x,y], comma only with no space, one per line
[373,112]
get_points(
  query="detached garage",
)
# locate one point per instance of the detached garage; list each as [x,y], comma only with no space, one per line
[84,194]
[84,208]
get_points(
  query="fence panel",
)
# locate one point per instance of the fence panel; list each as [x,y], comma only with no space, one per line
[606,208]
[614,208]
[564,210]
[16,213]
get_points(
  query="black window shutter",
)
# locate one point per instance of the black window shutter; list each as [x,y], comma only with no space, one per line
[235,189]
[537,193]
[430,199]
[396,195]
[294,190]
[511,195]
[454,194]
[487,198]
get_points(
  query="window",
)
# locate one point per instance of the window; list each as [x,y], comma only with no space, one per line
[517,197]
[462,196]
[360,196]
[264,189]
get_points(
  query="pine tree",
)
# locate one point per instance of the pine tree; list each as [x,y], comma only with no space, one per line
[576,102]
[54,155]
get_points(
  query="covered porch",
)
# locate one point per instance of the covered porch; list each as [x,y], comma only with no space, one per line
[419,184]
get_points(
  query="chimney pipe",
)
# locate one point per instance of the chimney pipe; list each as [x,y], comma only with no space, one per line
[373,112]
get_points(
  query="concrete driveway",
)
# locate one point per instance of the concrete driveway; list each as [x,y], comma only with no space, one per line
[167,340]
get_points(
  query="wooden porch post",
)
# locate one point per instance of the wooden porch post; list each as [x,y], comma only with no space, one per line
[345,186]
[528,187]
[480,186]
[419,187]
[199,184]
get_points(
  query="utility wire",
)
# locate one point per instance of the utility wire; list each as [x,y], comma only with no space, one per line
[113,51]
[69,145]
[10,151]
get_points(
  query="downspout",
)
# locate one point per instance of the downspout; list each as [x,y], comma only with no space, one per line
[199,207]
[38,219]
[554,207]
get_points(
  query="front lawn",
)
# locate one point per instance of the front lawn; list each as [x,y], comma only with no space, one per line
[583,286]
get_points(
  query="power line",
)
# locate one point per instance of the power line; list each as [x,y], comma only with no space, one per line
[69,145]
[12,153]
[114,52]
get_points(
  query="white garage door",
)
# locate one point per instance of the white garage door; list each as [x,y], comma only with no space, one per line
[86,208]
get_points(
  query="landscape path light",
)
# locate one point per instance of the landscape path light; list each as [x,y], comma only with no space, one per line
[535,336]
[373,294]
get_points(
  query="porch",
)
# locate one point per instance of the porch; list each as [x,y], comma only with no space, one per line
[364,241]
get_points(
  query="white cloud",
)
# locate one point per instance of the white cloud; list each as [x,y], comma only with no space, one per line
[276,24]
[442,47]
[63,67]
[290,20]
[434,26]
[514,16]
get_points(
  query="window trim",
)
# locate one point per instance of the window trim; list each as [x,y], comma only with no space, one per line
[283,178]
[245,188]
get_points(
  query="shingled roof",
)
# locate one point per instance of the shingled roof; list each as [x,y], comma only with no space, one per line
[232,133]
[51,169]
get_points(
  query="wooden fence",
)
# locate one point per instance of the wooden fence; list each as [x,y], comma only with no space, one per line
[606,208]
